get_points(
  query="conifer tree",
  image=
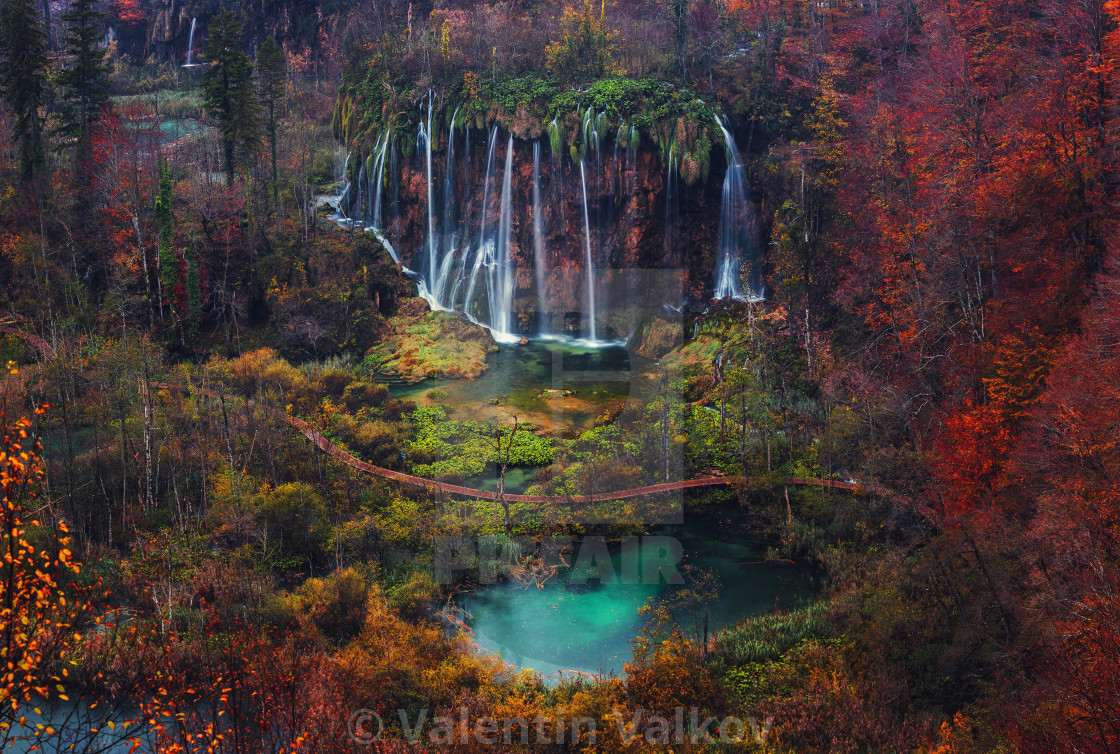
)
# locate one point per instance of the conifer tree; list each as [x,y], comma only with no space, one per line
[23,78]
[228,91]
[84,82]
[272,72]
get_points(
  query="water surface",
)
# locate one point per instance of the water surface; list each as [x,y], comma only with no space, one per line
[589,627]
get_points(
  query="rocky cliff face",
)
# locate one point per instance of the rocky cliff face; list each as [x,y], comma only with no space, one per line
[161,28]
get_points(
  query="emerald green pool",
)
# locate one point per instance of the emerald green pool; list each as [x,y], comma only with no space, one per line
[589,627]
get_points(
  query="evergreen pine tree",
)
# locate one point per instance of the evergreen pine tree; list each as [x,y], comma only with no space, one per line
[23,77]
[84,82]
[272,72]
[228,91]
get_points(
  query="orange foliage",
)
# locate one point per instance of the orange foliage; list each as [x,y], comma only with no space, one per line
[38,614]
[128,11]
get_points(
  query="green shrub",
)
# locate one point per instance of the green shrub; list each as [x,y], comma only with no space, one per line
[295,515]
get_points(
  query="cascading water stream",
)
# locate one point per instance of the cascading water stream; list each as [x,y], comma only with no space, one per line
[484,249]
[589,277]
[344,192]
[501,285]
[190,46]
[466,261]
[449,239]
[358,183]
[672,206]
[426,134]
[736,227]
[378,180]
[544,319]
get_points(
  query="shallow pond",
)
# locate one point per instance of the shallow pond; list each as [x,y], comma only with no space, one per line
[558,386]
[589,627]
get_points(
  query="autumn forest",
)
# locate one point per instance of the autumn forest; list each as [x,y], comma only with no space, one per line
[510,375]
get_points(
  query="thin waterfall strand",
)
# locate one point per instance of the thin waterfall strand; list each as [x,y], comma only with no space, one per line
[544,321]
[736,227]
[190,46]
[590,272]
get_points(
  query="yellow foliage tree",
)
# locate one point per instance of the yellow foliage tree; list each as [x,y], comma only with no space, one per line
[583,52]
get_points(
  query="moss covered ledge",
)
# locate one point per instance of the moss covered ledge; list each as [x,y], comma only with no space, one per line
[427,344]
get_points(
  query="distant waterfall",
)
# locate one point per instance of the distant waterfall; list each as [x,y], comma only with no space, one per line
[539,262]
[190,46]
[358,184]
[590,131]
[736,228]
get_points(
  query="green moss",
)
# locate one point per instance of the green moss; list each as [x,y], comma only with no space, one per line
[656,336]
[694,358]
[534,106]
[447,449]
[427,344]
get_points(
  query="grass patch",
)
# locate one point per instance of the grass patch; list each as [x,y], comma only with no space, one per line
[766,638]
[168,102]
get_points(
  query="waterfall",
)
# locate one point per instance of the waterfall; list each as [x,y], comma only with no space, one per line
[544,323]
[589,278]
[736,227]
[358,182]
[448,231]
[672,207]
[492,258]
[344,193]
[482,251]
[468,260]
[190,46]
[501,287]
[425,133]
[378,180]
